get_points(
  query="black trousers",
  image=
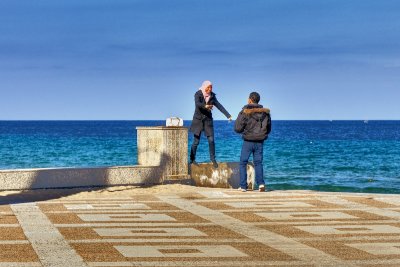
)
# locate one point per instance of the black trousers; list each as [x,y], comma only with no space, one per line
[195,144]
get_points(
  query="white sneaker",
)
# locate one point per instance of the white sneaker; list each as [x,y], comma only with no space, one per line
[261,188]
[242,189]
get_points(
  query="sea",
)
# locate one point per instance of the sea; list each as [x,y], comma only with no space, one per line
[340,156]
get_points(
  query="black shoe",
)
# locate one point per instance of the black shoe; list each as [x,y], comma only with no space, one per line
[194,162]
[215,164]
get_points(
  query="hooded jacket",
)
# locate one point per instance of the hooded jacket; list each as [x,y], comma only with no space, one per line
[254,123]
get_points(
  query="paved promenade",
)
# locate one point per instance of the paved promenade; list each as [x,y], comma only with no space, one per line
[200,227]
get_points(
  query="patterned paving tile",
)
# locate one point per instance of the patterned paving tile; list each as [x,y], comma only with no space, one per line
[209,228]
[95,252]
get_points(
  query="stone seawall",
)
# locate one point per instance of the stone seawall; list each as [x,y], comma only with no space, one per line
[79,177]
[162,156]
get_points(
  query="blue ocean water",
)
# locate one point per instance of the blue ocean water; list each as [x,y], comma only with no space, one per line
[352,156]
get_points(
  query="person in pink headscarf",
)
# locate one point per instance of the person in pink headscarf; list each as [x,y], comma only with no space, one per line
[205,99]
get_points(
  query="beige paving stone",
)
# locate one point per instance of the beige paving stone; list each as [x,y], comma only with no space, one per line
[193,196]
[12,233]
[271,204]
[161,206]
[78,233]
[351,229]
[20,264]
[211,194]
[370,202]
[126,217]
[9,225]
[289,231]
[13,242]
[111,211]
[129,224]
[98,252]
[64,218]
[17,253]
[45,207]
[134,206]
[144,197]
[340,250]
[157,240]
[146,232]
[5,208]
[247,216]
[312,215]
[378,263]
[367,216]
[378,248]
[186,217]
[180,251]
[198,263]
[389,200]
[8,219]
[322,204]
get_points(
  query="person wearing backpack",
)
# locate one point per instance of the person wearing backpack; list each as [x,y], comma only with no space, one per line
[254,123]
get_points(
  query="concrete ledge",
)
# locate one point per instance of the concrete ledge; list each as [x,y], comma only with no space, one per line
[225,176]
[79,177]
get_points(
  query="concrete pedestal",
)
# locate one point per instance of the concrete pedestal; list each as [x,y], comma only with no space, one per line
[165,147]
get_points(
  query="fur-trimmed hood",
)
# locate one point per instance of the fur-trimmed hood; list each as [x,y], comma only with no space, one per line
[250,109]
[254,123]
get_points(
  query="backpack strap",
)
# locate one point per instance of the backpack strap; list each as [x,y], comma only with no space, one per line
[261,119]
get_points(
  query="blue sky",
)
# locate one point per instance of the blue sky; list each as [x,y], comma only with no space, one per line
[144,59]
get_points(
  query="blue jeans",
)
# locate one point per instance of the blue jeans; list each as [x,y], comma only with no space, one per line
[255,148]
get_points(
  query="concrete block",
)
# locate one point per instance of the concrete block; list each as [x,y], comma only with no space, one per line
[225,176]
[165,147]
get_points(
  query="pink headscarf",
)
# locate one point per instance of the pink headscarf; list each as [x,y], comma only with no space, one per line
[203,90]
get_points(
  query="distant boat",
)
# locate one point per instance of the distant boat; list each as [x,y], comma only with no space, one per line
[365,121]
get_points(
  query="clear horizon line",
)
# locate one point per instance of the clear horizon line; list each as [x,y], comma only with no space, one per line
[191,120]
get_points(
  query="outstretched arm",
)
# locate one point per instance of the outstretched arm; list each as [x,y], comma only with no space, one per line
[222,109]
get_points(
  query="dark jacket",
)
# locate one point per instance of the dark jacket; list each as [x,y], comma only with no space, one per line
[202,118]
[254,123]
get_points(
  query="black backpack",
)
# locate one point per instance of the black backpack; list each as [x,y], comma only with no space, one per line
[262,126]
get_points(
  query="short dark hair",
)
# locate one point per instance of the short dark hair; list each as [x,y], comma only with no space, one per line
[255,97]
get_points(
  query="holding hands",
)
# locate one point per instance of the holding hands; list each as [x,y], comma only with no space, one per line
[209,107]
